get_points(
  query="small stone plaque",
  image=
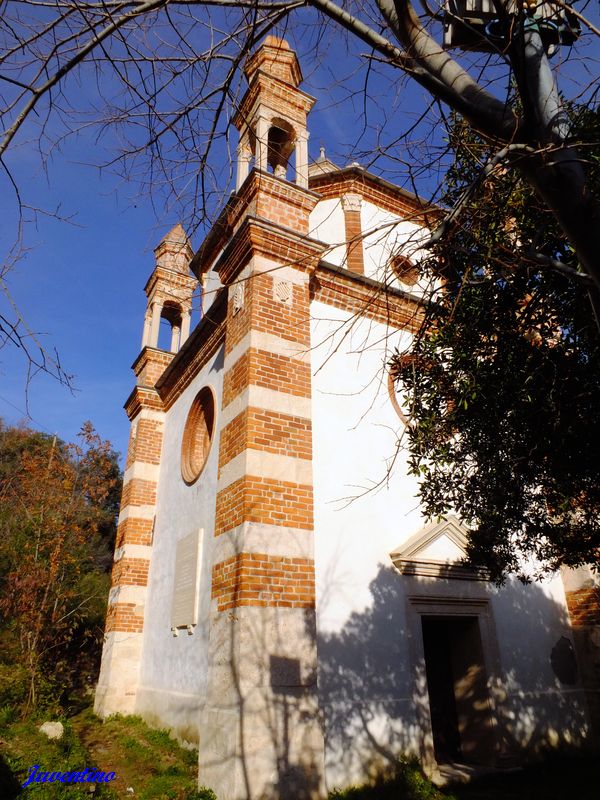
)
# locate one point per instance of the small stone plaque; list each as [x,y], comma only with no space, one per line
[282,291]
[184,606]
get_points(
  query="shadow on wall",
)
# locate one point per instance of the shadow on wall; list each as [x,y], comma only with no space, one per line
[363,678]
[264,687]
[373,689]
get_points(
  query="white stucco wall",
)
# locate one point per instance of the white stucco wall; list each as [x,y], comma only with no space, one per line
[384,234]
[355,430]
[372,683]
[541,711]
[364,673]
[326,223]
[210,289]
[173,672]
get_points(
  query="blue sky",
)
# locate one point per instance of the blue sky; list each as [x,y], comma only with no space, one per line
[80,285]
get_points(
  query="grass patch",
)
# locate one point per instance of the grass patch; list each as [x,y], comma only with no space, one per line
[157,768]
[148,761]
[24,746]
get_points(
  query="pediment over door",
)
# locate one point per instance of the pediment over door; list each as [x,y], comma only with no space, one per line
[437,551]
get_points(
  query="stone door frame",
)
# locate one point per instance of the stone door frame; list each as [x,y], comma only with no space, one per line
[452,606]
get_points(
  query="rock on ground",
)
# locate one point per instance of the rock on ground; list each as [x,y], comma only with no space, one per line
[53,730]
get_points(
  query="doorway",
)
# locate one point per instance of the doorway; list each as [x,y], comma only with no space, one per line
[457,684]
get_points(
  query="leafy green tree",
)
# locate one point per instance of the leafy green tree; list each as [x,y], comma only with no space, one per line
[503,382]
[58,505]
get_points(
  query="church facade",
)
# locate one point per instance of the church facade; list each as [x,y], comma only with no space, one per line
[277,598]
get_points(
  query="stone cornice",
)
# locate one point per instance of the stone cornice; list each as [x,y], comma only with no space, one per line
[257,236]
[142,397]
[382,193]
[252,198]
[428,568]
[409,559]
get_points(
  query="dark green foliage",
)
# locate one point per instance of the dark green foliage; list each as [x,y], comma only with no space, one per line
[503,383]
[201,794]
[408,783]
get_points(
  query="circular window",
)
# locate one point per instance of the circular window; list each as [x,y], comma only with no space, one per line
[402,361]
[197,435]
[405,270]
[391,386]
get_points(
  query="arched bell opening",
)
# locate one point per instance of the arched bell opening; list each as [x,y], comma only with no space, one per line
[281,141]
[170,327]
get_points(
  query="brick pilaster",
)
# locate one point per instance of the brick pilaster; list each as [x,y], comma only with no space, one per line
[351,204]
[262,641]
[121,656]
[262,645]
[265,469]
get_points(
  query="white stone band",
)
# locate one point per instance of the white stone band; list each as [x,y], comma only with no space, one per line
[267,400]
[273,540]
[258,463]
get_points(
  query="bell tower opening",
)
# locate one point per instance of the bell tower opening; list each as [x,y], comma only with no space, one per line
[169,334]
[280,146]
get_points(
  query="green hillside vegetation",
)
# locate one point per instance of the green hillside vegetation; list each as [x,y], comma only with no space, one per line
[146,761]
[58,513]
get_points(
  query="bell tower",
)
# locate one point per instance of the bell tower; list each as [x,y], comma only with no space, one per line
[169,290]
[272,116]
